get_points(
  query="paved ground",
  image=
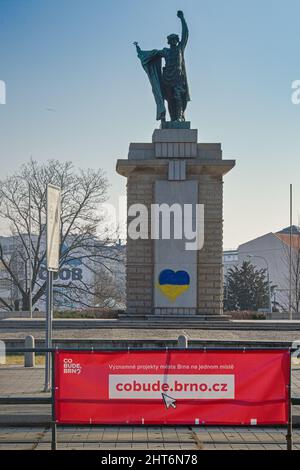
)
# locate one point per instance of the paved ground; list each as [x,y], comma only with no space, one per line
[154,438]
[18,381]
[136,334]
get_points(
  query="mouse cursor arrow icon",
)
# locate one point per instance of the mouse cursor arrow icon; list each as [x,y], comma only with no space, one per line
[169,401]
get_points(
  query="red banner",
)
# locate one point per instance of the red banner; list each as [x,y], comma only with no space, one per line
[172,387]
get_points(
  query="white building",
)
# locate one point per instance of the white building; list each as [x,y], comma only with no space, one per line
[271,252]
[230,259]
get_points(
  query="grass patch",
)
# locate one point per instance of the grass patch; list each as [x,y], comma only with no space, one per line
[246,315]
[86,314]
[18,359]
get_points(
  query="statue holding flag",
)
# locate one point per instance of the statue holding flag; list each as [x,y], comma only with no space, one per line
[169,82]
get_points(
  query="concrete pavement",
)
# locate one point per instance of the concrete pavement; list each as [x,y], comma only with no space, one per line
[147,438]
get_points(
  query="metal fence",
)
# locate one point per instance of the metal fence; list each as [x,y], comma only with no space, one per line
[50,400]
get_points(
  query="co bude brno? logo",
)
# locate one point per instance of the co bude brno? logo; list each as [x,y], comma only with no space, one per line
[71,367]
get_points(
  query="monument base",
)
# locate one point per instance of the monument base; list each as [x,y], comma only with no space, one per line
[163,278]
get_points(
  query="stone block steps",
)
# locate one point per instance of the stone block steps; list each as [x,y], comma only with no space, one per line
[150,323]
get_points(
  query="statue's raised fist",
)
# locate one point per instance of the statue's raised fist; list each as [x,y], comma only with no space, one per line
[180,14]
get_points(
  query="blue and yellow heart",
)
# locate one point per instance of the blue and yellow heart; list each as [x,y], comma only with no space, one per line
[173,284]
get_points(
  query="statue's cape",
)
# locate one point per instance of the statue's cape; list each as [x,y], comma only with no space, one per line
[151,62]
[187,94]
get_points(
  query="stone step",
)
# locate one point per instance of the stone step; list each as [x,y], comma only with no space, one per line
[69,324]
[187,318]
[59,324]
[173,317]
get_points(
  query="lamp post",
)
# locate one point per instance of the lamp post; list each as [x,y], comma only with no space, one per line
[268,278]
[30,251]
[53,214]
[290,253]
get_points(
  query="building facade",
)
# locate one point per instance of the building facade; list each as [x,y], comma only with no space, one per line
[272,252]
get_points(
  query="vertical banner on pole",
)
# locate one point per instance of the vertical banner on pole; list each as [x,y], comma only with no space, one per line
[53,227]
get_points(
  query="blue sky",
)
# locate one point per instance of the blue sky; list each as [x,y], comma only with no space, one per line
[76,91]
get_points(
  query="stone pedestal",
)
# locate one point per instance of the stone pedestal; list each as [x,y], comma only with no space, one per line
[175,168]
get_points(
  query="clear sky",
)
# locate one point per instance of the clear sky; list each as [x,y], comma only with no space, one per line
[76,91]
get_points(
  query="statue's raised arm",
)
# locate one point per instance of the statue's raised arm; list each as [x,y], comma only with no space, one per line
[138,49]
[185,30]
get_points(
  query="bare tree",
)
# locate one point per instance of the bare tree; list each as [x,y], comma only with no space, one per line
[82,193]
[295,273]
[110,288]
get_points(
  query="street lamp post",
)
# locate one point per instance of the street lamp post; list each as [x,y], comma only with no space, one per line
[53,214]
[268,278]
[30,251]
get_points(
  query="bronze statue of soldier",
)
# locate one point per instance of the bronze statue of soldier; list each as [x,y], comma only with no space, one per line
[169,82]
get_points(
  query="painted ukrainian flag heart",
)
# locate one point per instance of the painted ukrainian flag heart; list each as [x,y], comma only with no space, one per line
[173,284]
